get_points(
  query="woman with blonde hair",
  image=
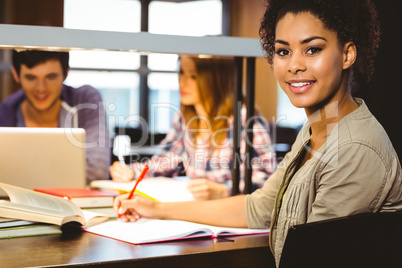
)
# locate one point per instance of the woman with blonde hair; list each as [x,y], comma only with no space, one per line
[200,139]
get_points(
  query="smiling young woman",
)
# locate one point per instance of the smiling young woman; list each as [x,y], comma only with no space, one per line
[309,62]
[342,162]
[312,68]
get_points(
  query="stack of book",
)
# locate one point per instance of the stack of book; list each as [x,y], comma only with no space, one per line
[29,213]
[10,228]
[99,201]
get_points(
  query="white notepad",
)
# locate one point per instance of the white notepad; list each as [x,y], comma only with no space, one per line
[161,188]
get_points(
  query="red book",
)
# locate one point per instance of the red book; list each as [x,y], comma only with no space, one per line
[82,197]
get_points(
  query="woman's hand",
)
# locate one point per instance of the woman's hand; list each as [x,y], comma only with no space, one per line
[135,208]
[120,173]
[203,189]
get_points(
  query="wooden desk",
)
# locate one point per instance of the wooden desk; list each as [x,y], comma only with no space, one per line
[85,249]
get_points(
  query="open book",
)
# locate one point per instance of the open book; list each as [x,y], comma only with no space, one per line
[149,231]
[28,205]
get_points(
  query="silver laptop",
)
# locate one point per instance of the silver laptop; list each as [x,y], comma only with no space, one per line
[42,157]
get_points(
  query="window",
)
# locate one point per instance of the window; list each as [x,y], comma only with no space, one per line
[187,18]
[104,15]
[194,18]
[118,75]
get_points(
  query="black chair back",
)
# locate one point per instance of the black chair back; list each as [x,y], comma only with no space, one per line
[365,240]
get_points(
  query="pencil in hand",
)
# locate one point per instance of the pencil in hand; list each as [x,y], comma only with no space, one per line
[140,177]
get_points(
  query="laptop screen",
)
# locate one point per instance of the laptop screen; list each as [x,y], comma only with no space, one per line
[42,157]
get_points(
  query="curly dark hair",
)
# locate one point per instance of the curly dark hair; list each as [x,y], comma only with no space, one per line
[352,20]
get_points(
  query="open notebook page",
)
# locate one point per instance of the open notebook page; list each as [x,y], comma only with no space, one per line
[150,230]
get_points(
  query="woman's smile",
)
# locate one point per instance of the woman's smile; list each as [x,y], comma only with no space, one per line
[300,86]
